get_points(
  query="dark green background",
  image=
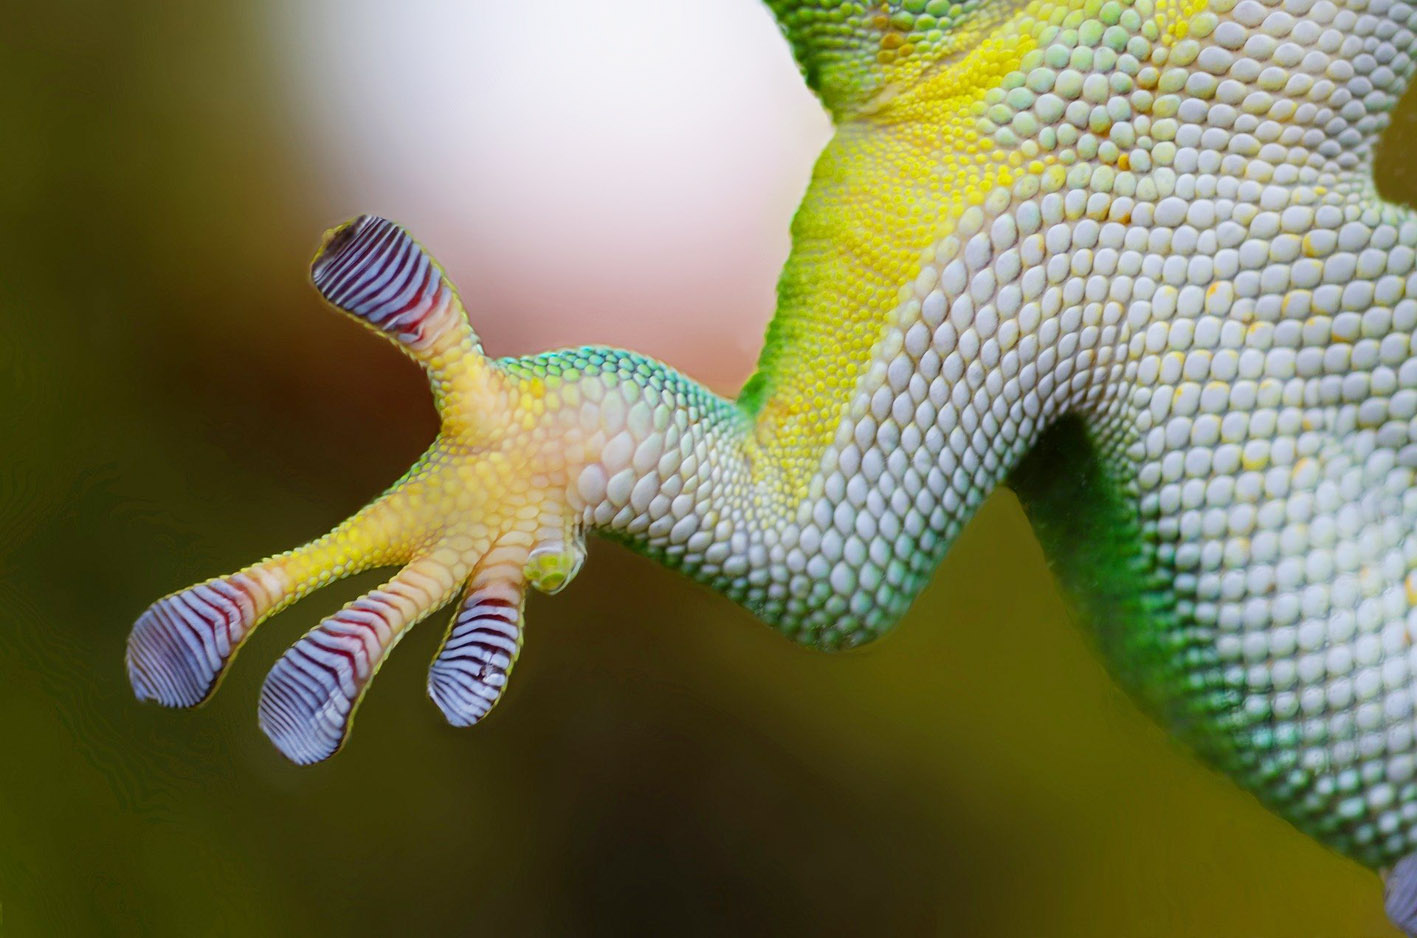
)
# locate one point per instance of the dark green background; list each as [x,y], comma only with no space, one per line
[174,403]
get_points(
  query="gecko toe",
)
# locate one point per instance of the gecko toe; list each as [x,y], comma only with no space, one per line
[310,696]
[180,646]
[302,711]
[468,676]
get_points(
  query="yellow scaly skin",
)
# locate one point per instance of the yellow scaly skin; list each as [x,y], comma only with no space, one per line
[1125,256]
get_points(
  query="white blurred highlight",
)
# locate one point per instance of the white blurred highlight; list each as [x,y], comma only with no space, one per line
[617,172]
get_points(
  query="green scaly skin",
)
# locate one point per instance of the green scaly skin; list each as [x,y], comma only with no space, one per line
[1124,256]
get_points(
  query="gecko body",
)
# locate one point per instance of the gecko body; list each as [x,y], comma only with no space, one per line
[1126,257]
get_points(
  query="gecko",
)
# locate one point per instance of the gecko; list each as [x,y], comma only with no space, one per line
[1125,257]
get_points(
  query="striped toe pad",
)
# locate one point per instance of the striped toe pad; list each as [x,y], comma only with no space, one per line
[1400,894]
[471,669]
[180,646]
[372,269]
[310,695]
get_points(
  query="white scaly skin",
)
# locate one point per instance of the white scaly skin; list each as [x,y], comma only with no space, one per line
[1126,256]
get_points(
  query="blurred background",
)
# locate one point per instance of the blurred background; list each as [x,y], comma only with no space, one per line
[175,402]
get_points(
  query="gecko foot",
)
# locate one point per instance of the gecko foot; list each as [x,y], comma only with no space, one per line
[483,513]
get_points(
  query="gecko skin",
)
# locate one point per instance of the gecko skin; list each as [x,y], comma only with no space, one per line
[1125,256]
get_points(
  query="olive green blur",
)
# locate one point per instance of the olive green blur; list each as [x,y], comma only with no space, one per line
[175,402]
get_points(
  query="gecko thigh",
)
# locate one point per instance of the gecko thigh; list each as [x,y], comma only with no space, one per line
[1086,517]
[1262,649]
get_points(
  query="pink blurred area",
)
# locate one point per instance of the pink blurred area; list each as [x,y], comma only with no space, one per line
[624,176]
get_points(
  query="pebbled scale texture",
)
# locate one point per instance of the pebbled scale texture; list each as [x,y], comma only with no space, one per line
[1125,256]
